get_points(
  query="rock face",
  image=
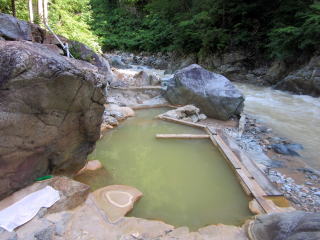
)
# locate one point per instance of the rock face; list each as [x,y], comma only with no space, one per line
[214,94]
[289,226]
[303,81]
[12,28]
[50,113]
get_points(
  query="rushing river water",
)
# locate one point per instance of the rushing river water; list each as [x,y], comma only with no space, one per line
[296,117]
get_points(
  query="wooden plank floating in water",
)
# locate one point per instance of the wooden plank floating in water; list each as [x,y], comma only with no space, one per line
[139,88]
[148,106]
[181,121]
[183,136]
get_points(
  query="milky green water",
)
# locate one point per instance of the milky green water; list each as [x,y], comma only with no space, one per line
[184,182]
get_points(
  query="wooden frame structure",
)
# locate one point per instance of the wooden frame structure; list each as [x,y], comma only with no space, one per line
[248,182]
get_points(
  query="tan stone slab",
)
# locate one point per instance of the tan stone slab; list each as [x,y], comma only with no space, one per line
[116,200]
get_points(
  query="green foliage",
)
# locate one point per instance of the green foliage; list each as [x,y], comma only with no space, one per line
[21,8]
[301,36]
[71,19]
[279,29]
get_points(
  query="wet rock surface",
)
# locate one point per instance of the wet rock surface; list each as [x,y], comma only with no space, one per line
[305,80]
[51,109]
[290,226]
[214,94]
[298,183]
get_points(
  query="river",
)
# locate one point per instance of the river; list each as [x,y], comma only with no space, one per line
[295,117]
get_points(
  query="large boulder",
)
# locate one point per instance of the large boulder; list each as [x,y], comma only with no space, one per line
[14,29]
[51,110]
[286,226]
[216,96]
[305,80]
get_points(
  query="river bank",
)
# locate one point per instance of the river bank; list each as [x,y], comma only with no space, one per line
[295,176]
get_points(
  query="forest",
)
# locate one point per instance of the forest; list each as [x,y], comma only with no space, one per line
[280,29]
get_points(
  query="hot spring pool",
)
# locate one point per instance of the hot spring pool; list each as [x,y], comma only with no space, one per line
[184,182]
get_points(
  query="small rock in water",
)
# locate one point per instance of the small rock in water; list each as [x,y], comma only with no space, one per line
[287,149]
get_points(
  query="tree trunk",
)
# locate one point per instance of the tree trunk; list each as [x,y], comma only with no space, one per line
[45,11]
[13,7]
[40,10]
[30,7]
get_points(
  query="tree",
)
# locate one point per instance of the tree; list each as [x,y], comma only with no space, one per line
[13,7]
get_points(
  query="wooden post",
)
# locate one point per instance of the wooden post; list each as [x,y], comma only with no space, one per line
[30,7]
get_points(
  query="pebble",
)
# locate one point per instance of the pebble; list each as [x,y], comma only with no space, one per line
[317,193]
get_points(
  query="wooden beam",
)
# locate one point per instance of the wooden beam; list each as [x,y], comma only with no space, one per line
[225,150]
[183,136]
[139,88]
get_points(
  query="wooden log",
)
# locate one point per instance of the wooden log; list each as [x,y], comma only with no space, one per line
[139,88]
[183,136]
[148,106]
[191,124]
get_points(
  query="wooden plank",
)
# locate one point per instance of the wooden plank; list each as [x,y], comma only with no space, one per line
[148,106]
[139,88]
[183,136]
[227,152]
[181,122]
[253,171]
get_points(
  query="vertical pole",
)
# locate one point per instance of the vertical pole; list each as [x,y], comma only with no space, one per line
[30,7]
[45,11]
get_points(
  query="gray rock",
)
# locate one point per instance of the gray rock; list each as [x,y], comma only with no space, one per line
[5,235]
[286,226]
[317,193]
[117,62]
[36,229]
[72,193]
[50,113]
[305,80]
[276,71]
[14,29]
[287,149]
[216,96]
[110,120]
[84,53]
